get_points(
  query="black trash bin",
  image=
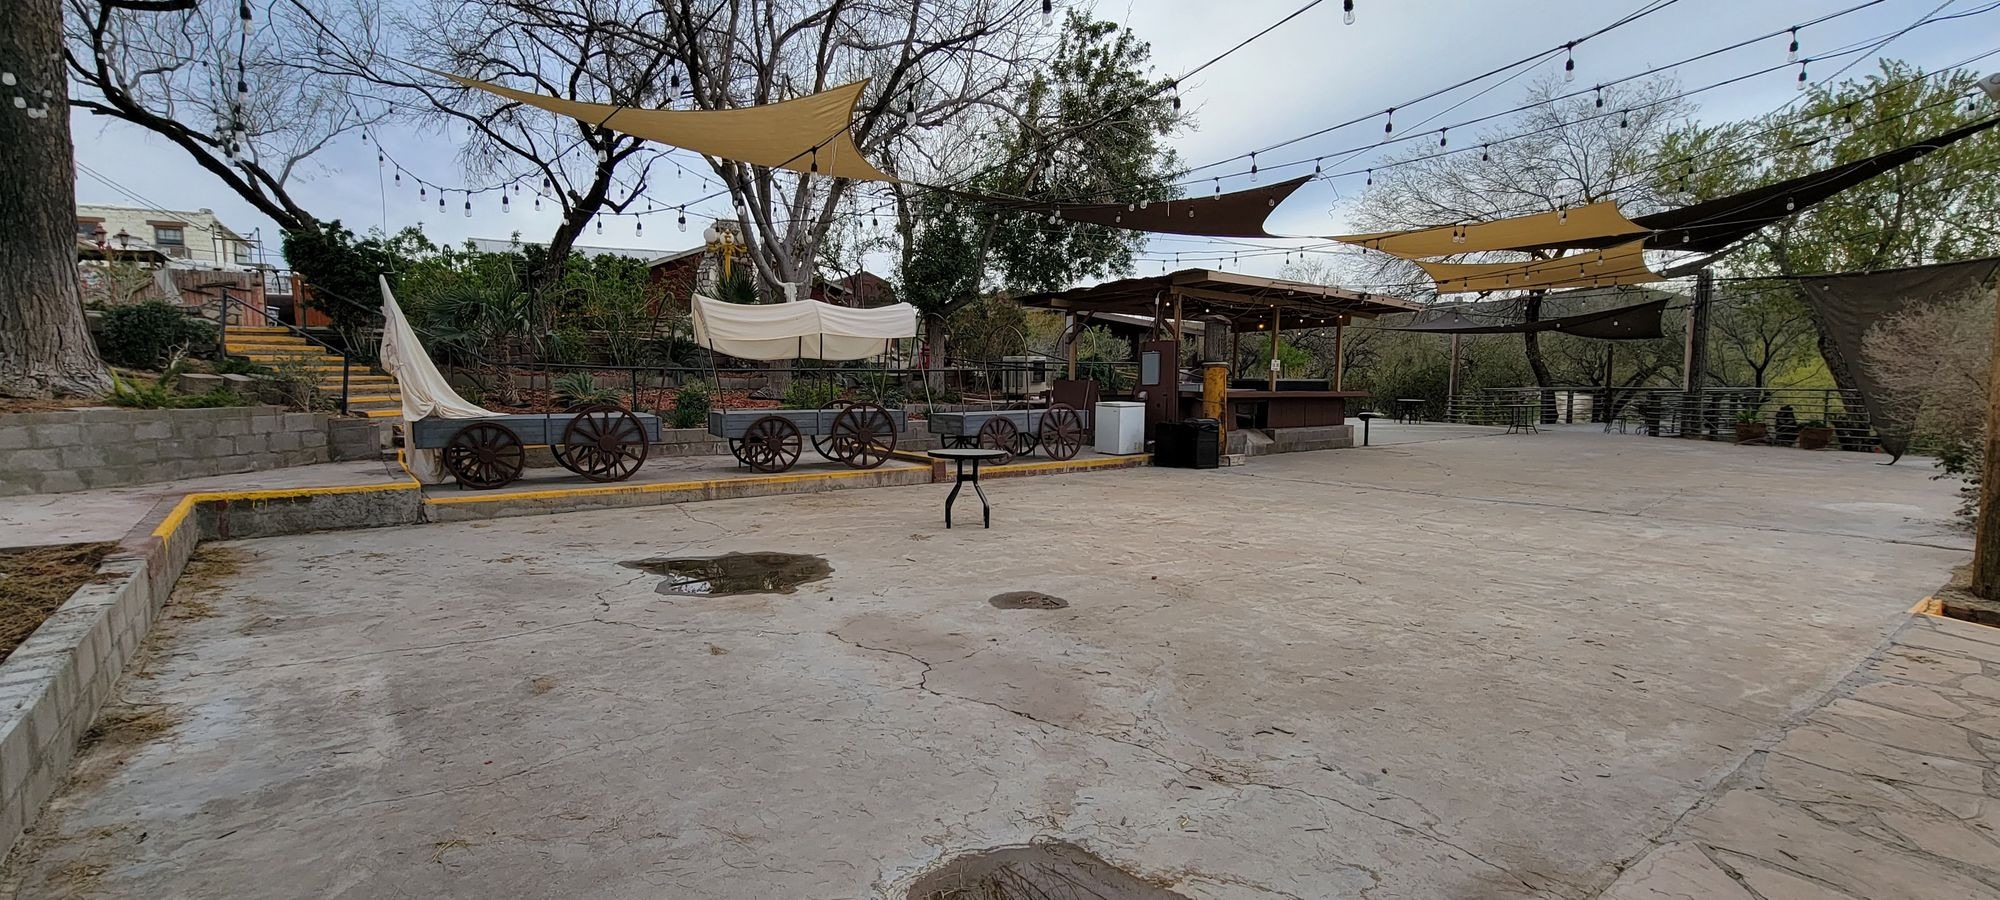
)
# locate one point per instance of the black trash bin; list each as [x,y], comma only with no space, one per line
[1188,444]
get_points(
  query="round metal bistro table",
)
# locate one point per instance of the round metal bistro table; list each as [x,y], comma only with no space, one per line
[962,456]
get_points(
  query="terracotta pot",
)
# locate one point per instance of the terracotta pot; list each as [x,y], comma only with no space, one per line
[1815,438]
[1750,432]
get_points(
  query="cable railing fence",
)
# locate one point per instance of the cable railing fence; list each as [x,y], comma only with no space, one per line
[1773,415]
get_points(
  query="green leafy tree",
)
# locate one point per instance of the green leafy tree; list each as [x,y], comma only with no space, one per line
[1090,126]
[340,274]
[1941,209]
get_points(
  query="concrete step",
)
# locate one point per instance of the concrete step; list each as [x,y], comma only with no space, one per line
[357,379]
[385,413]
[314,358]
[260,329]
[374,403]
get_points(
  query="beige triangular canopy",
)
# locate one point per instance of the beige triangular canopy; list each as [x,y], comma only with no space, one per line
[807,134]
[1540,231]
[1622,264]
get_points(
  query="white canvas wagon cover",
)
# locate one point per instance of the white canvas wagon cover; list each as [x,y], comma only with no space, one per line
[807,329]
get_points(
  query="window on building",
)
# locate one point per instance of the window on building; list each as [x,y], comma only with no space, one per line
[90,229]
[242,251]
[170,239]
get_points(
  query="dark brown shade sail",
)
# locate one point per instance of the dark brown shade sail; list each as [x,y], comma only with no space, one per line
[1235,214]
[1626,323]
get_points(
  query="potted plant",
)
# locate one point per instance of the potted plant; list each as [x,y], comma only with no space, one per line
[1815,435]
[1749,428]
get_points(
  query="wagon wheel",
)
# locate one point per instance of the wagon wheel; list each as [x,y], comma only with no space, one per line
[484,455]
[603,443]
[1000,434]
[824,444]
[865,435]
[770,444]
[1061,432]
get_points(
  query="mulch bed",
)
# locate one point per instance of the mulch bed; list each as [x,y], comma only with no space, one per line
[34,581]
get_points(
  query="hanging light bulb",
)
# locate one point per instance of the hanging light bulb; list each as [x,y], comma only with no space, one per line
[1174,89]
[1792,54]
[1371,176]
[638,226]
[1048,11]
[399,177]
[684,219]
[1253,166]
[381,161]
[1443,140]
[1624,118]
[1569,62]
[468,206]
[1484,156]
[1802,75]
[504,208]
[1130,206]
[538,203]
[1052,217]
[1218,188]
[243,12]
[1389,124]
[421,193]
[1315,166]
[1145,202]
[815,160]
[1562,217]
[600,226]
[1347,11]
[1789,206]
[440,201]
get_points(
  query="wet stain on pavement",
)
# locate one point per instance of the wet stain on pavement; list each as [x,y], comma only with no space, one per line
[1045,871]
[1027,600]
[734,573]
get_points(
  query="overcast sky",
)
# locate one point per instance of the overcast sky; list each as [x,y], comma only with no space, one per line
[1309,74]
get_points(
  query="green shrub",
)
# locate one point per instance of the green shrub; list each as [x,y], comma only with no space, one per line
[579,389]
[811,393]
[691,405]
[1748,416]
[160,394]
[294,383]
[145,335]
[238,365]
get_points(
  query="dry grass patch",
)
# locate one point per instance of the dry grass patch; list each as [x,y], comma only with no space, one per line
[34,582]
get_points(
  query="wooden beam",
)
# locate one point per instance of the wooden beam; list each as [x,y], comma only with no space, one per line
[1277,325]
[1339,358]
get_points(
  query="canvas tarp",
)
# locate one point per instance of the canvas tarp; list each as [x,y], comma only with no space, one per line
[425,392]
[1846,307]
[807,329]
[1623,264]
[807,134]
[1597,221]
[1626,323]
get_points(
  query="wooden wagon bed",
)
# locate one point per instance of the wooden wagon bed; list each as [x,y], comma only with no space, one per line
[1058,430]
[862,435]
[601,443]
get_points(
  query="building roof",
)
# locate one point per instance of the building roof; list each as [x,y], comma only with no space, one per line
[204,215]
[1246,300]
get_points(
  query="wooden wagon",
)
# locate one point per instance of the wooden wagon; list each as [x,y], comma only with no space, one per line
[862,435]
[601,443]
[1058,431]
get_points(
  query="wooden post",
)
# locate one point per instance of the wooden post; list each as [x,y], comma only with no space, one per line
[1339,358]
[1073,330]
[1986,543]
[1277,325]
[1177,332]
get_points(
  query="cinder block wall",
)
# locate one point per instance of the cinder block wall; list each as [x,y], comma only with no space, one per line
[48,453]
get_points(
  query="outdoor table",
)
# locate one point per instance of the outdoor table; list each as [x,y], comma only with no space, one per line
[1412,410]
[975,456]
[1523,418]
[1366,418]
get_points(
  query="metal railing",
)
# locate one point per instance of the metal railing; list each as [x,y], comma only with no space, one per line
[1711,413]
[222,341]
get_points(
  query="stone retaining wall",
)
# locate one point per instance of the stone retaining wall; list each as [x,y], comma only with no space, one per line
[49,453]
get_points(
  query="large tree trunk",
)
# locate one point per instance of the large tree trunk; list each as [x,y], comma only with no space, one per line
[45,347]
[1531,342]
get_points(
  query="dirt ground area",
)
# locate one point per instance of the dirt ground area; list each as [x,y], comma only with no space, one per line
[1454,666]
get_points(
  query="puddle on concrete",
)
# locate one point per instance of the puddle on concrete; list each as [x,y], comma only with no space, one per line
[1051,871]
[734,573]
[1027,600]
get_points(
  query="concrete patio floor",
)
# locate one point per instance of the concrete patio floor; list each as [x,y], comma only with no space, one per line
[1472,666]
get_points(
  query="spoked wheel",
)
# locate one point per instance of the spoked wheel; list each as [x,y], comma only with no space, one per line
[770,444]
[1000,434]
[824,444]
[1061,432]
[864,435]
[484,455]
[603,443]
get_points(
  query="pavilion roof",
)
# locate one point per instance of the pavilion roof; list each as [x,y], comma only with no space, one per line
[1246,300]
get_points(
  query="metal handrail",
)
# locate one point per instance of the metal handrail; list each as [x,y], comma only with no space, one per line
[222,342]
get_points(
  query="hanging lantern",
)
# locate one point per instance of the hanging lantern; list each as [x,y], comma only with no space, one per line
[684,219]
[1347,11]
[1792,53]
[1569,62]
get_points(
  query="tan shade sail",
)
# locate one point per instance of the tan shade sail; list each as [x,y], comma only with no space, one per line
[1541,231]
[807,134]
[1623,264]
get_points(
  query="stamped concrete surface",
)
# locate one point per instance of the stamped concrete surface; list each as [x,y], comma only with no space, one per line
[1496,666]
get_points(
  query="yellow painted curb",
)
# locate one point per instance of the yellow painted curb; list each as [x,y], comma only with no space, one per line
[1073,465]
[187,502]
[1929,606]
[664,487]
